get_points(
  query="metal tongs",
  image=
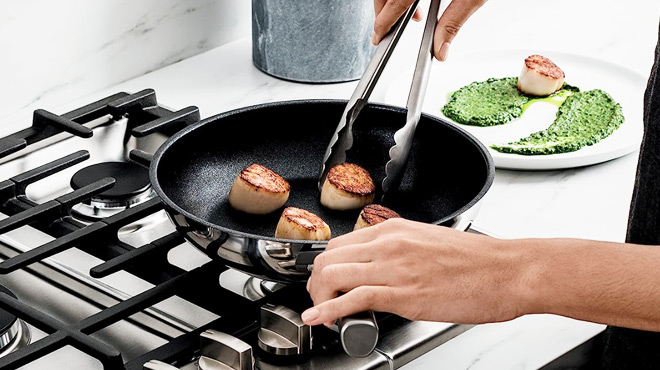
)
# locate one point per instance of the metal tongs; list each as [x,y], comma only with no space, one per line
[342,139]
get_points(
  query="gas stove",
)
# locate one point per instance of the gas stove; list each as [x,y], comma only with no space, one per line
[94,275]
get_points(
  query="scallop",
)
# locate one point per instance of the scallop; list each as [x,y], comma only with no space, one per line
[347,186]
[373,214]
[300,224]
[258,190]
[540,76]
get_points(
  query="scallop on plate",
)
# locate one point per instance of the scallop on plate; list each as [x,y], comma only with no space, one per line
[624,85]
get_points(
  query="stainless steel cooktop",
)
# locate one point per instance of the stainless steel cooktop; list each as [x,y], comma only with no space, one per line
[103,280]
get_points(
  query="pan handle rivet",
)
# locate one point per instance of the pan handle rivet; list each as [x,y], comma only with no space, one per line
[206,234]
[280,251]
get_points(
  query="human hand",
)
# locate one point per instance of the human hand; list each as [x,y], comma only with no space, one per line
[418,271]
[450,22]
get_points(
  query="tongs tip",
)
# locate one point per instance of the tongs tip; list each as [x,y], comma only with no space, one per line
[342,139]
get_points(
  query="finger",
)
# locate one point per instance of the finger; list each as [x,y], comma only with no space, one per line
[336,279]
[417,16]
[378,6]
[451,21]
[364,235]
[357,300]
[385,19]
[348,254]
[327,284]
[373,233]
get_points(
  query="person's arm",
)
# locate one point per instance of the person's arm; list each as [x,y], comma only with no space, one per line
[451,21]
[428,272]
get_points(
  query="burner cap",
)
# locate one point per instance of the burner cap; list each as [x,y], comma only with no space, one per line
[131,180]
[7,320]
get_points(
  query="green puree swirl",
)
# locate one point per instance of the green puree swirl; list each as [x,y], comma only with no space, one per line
[583,119]
[486,103]
[495,101]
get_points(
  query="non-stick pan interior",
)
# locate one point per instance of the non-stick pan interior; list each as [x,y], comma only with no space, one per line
[193,172]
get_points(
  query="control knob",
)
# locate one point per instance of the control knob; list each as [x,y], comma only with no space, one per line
[221,351]
[158,365]
[283,332]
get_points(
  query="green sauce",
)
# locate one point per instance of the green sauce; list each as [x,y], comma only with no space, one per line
[583,119]
[557,98]
[494,102]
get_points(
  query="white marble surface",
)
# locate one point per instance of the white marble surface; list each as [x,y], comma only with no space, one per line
[57,51]
[590,202]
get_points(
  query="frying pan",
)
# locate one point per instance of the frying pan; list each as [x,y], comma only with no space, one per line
[448,172]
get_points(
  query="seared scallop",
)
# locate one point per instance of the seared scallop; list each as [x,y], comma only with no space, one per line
[300,224]
[347,186]
[540,76]
[373,214]
[258,190]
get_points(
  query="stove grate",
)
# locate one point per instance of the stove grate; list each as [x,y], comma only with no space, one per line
[142,107]
[101,240]
[181,348]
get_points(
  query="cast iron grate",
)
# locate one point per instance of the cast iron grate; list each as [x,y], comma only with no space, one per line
[53,218]
[141,106]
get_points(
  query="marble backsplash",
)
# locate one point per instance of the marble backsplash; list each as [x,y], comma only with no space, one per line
[52,52]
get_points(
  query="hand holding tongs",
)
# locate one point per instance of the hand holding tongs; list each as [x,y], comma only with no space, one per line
[342,139]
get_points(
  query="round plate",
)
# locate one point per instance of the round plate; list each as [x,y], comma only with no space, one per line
[624,85]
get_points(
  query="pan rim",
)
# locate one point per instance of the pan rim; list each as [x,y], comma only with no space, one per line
[168,203]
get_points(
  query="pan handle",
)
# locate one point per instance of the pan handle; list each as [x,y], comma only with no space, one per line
[463,221]
[359,332]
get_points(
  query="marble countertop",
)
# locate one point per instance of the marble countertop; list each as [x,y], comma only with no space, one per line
[589,202]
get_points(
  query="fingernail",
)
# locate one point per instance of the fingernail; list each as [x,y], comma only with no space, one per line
[329,324]
[374,39]
[444,51]
[308,284]
[310,315]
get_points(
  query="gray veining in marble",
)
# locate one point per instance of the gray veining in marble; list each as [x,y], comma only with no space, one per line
[312,40]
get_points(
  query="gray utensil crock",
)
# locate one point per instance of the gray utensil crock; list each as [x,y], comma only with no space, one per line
[318,41]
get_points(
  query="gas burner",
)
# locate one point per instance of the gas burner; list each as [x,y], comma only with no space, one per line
[132,187]
[14,334]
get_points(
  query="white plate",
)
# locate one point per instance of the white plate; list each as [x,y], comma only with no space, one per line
[624,85]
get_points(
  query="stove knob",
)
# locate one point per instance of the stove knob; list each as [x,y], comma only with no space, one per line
[283,332]
[222,351]
[158,365]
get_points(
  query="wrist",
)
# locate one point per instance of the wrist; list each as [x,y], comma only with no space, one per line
[531,282]
[603,282]
[517,273]
[553,275]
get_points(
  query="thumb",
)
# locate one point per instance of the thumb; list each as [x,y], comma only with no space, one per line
[451,21]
